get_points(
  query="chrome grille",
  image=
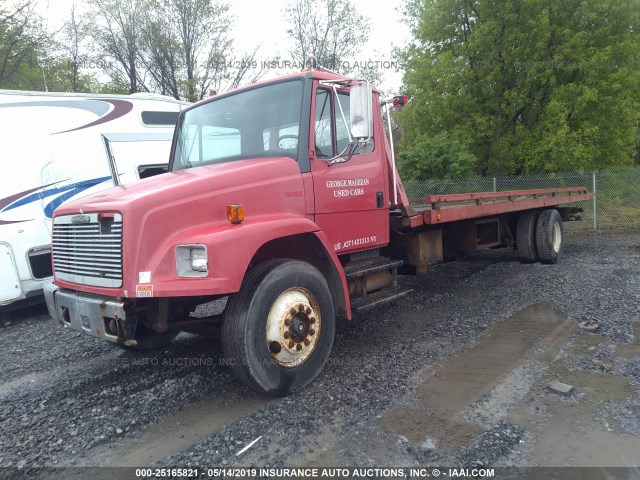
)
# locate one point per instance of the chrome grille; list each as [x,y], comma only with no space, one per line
[88,251]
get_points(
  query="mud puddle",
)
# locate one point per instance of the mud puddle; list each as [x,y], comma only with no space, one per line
[579,429]
[631,349]
[177,432]
[572,431]
[438,417]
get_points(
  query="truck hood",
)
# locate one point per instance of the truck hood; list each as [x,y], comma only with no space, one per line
[189,185]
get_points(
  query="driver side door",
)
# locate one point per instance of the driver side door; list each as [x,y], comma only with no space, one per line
[350,198]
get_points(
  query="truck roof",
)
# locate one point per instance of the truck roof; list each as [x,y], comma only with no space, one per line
[314,73]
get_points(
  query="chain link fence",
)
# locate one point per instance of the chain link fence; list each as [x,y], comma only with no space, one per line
[616,205]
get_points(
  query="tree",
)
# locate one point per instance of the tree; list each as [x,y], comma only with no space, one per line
[21,38]
[61,66]
[331,31]
[187,51]
[33,59]
[525,85]
[246,70]
[118,34]
[185,44]
[75,32]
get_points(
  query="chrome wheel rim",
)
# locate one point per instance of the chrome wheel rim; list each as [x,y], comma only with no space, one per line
[556,237]
[293,327]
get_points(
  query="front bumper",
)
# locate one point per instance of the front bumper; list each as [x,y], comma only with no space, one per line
[87,313]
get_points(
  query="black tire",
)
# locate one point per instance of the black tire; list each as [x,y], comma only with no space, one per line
[549,236]
[248,342]
[526,237]
[149,340]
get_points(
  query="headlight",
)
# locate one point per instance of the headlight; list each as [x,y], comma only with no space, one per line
[199,261]
[192,261]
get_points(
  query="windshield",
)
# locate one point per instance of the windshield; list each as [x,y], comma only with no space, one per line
[258,123]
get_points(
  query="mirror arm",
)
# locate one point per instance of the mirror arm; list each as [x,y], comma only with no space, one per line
[340,157]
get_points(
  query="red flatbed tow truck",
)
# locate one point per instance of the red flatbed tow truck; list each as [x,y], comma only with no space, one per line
[283,198]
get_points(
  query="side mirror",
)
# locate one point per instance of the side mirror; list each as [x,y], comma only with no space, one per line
[360,112]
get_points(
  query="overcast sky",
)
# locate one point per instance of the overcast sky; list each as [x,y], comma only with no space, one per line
[263,22]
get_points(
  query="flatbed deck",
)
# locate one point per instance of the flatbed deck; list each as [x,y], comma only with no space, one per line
[437,209]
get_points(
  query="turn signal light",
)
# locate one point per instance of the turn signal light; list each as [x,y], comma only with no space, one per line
[235,213]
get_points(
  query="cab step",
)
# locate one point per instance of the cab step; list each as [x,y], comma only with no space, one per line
[378,298]
[360,272]
[365,267]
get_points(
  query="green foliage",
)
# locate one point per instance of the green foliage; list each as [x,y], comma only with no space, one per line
[41,73]
[525,85]
[32,59]
[21,39]
[437,156]
[114,86]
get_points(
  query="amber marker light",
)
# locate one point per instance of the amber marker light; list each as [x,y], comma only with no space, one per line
[235,213]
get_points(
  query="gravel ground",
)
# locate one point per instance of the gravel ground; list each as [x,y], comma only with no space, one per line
[67,399]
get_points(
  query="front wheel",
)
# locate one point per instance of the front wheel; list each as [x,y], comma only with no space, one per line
[278,330]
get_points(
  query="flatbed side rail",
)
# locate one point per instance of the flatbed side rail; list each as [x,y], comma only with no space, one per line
[462,197]
[462,206]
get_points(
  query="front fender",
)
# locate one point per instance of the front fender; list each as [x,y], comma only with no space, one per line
[230,250]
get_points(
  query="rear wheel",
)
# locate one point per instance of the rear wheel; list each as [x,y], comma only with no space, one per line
[526,237]
[279,329]
[549,236]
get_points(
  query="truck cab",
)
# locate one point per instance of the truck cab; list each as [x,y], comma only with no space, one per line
[267,175]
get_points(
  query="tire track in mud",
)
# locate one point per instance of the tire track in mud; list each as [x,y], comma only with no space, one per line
[180,430]
[51,418]
[32,381]
[350,379]
[31,342]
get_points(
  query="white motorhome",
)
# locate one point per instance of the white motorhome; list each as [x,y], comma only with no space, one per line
[58,146]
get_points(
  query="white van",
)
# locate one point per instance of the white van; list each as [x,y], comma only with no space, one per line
[57,146]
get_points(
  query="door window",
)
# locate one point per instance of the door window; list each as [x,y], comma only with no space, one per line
[323,128]
[332,125]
